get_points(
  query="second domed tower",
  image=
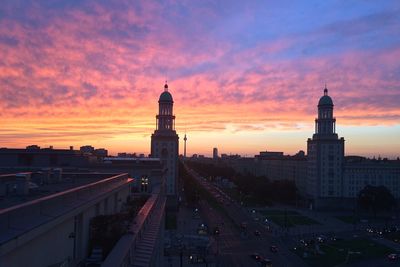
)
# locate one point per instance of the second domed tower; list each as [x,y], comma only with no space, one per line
[325,157]
[325,124]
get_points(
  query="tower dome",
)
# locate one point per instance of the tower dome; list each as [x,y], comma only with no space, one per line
[165,96]
[325,100]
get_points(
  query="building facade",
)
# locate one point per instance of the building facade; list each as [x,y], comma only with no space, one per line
[325,152]
[165,141]
[215,153]
[88,149]
[275,167]
[45,157]
[360,172]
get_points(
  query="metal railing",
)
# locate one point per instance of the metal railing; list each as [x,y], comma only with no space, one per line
[123,252]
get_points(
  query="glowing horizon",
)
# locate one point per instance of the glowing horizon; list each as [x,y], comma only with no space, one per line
[245,77]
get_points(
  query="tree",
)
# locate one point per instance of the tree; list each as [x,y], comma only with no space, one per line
[258,189]
[376,198]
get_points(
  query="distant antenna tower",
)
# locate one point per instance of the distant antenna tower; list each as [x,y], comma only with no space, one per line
[184,146]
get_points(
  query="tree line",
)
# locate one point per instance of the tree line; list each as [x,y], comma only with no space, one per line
[250,188]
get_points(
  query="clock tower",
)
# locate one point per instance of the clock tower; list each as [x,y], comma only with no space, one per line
[325,157]
[165,141]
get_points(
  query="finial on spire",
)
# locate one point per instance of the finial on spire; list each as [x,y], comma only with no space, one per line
[325,90]
[166,86]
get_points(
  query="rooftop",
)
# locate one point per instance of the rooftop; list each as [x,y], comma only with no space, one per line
[19,219]
[68,181]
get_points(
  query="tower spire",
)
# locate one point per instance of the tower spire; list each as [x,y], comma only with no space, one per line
[325,90]
[166,86]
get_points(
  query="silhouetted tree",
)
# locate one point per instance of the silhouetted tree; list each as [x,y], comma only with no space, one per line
[376,198]
[189,185]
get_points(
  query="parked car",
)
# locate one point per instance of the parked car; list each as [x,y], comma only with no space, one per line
[321,239]
[216,230]
[257,233]
[303,242]
[256,256]
[194,258]
[393,257]
[274,249]
[333,238]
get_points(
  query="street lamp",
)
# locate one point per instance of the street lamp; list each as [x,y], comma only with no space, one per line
[144,183]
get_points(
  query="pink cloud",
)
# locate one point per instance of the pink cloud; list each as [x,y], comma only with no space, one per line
[83,68]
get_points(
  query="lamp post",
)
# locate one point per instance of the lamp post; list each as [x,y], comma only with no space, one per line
[144,183]
[216,235]
[181,257]
[355,217]
[181,253]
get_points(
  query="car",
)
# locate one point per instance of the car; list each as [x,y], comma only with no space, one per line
[393,257]
[256,256]
[273,249]
[33,186]
[193,258]
[216,230]
[257,233]
[303,242]
[266,262]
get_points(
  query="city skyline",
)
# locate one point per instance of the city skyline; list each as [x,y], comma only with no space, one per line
[90,73]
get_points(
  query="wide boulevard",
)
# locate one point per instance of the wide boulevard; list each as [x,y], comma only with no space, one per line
[240,235]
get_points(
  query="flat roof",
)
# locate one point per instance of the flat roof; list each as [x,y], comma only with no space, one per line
[20,219]
[69,181]
[130,159]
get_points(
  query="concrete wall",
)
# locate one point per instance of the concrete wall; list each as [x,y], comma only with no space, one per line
[61,237]
[52,247]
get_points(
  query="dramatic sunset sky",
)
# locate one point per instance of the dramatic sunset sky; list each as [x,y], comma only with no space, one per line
[246,76]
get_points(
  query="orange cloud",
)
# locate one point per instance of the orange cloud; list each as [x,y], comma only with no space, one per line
[94,74]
